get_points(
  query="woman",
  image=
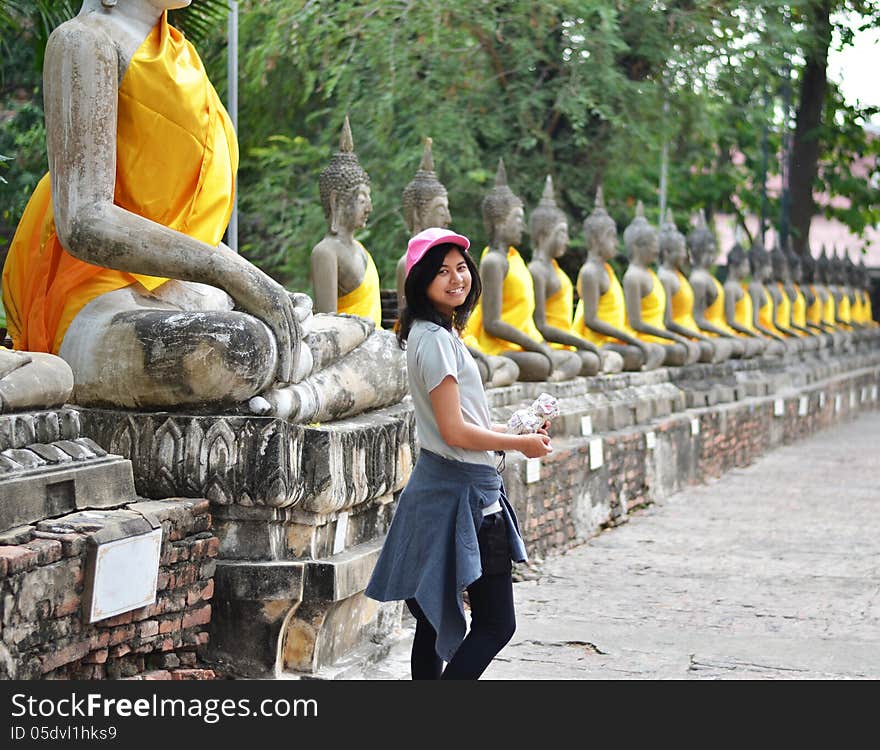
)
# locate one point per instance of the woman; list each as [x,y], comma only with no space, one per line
[453,528]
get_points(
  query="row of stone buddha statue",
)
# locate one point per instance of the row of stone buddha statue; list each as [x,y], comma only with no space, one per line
[525,326]
[118,265]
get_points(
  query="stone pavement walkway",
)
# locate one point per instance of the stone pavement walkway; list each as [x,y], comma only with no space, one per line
[772,571]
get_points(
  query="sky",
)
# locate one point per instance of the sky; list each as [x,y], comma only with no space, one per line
[856,67]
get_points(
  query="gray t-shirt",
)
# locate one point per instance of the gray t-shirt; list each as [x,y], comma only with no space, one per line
[432,353]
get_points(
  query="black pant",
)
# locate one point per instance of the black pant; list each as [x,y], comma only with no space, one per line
[493,621]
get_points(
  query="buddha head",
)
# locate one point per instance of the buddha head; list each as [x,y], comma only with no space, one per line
[503,214]
[701,242]
[759,261]
[779,264]
[640,238]
[345,187]
[795,266]
[600,231]
[823,268]
[864,276]
[425,200]
[548,225]
[738,266]
[673,248]
[807,267]
[852,271]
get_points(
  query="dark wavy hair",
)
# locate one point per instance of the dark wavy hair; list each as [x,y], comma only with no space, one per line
[419,307]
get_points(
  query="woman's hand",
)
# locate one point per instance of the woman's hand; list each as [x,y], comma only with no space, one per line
[534,445]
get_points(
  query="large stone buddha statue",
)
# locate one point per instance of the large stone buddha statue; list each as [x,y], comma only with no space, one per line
[343,274]
[426,204]
[679,314]
[762,302]
[710,304]
[554,292]
[503,323]
[824,288]
[799,300]
[812,296]
[600,316]
[646,297]
[118,265]
[739,312]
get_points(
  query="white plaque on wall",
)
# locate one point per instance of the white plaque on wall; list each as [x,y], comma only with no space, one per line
[125,575]
[838,402]
[650,440]
[341,531]
[822,400]
[533,470]
[596,457]
[803,406]
[695,426]
[873,393]
[586,425]
[778,407]
[852,399]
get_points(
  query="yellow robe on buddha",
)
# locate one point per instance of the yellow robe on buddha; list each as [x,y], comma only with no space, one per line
[829,311]
[653,312]
[783,313]
[765,314]
[518,308]
[844,312]
[176,158]
[715,312]
[814,311]
[744,310]
[683,303]
[364,300]
[559,308]
[611,308]
[799,308]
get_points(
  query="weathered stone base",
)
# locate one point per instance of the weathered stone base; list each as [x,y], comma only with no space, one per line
[301,511]
[45,633]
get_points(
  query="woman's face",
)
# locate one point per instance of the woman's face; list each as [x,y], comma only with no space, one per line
[451,285]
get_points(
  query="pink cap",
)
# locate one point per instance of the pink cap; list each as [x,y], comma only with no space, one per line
[428,238]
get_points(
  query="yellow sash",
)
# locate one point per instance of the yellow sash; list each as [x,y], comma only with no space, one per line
[653,311]
[799,308]
[765,313]
[715,312]
[814,311]
[828,312]
[610,308]
[176,158]
[559,307]
[744,311]
[364,300]
[683,303]
[518,307]
[783,314]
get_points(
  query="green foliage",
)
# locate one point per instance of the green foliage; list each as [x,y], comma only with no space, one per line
[23,138]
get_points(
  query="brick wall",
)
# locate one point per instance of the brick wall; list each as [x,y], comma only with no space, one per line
[44,634]
[571,502]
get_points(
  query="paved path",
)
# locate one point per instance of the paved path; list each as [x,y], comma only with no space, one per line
[773,571]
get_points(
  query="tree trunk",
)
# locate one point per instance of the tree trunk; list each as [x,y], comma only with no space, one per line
[805,148]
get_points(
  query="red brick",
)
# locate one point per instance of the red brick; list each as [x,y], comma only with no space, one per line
[18,558]
[112,622]
[157,674]
[101,639]
[148,628]
[165,645]
[193,674]
[169,625]
[96,657]
[120,634]
[48,550]
[201,616]
[68,606]
[66,655]
[71,544]
[121,650]
[208,591]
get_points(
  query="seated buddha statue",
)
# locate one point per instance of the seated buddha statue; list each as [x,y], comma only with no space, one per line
[554,292]
[853,281]
[739,312]
[426,204]
[824,288]
[709,311]
[679,316]
[343,274]
[600,316]
[841,291]
[865,290]
[798,297]
[781,311]
[646,297]
[813,300]
[118,265]
[763,318]
[503,323]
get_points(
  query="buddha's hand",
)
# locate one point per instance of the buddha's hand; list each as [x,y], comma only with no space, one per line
[548,353]
[257,293]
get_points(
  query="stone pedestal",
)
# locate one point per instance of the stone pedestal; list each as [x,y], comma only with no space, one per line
[300,512]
